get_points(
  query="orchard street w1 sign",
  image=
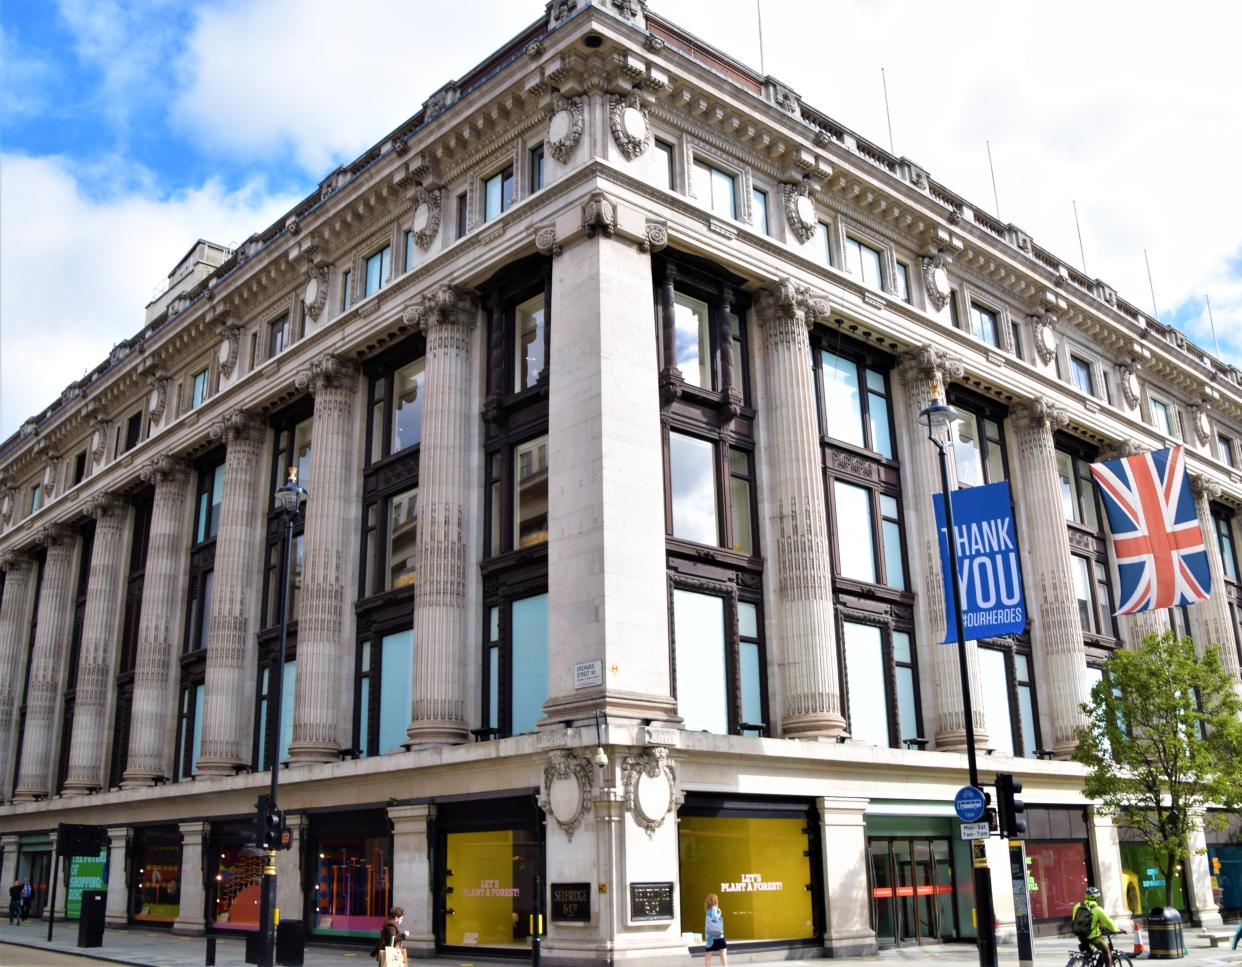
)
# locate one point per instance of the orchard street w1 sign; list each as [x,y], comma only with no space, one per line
[987,563]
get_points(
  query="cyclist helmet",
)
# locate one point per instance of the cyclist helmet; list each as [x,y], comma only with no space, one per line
[1093,893]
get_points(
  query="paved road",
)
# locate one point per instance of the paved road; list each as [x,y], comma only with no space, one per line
[14,956]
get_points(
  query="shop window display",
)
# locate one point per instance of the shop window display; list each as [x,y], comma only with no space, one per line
[1142,876]
[237,887]
[354,888]
[157,879]
[757,867]
[1058,875]
[490,874]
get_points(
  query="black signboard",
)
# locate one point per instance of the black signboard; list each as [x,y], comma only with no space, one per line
[651,901]
[571,902]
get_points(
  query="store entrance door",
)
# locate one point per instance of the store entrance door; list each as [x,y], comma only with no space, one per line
[913,900]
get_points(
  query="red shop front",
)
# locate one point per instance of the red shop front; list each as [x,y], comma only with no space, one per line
[1058,863]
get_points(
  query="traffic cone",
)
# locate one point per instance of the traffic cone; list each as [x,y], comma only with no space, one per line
[1139,948]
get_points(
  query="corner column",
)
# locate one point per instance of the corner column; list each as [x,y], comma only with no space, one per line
[101,625]
[1106,850]
[326,591]
[117,913]
[925,373]
[802,590]
[1209,620]
[1056,634]
[843,853]
[447,317]
[15,612]
[235,597]
[193,901]
[34,778]
[155,672]
[412,875]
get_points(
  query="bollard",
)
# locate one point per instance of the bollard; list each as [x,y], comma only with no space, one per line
[210,961]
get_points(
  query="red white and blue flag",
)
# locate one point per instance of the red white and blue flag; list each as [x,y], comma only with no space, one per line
[1157,541]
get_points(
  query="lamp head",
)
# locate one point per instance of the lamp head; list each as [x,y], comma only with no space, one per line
[938,417]
[290,496]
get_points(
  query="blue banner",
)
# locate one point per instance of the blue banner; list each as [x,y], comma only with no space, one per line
[988,568]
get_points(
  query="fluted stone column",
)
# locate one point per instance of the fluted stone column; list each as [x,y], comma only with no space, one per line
[237,588]
[47,660]
[447,317]
[163,603]
[925,373]
[1056,632]
[101,626]
[1209,620]
[326,590]
[803,587]
[15,609]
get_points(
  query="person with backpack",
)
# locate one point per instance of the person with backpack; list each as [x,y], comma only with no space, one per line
[1088,921]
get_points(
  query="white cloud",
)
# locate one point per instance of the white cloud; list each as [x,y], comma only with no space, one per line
[77,272]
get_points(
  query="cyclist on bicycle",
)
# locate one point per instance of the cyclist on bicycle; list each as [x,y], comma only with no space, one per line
[1089,921]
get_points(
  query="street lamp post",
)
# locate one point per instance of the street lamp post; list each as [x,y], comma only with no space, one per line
[289,499]
[939,418]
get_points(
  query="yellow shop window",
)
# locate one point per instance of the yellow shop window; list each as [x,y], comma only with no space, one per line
[491,875]
[759,870]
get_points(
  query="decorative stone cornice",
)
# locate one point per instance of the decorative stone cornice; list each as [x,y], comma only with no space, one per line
[165,467]
[790,300]
[631,128]
[1039,412]
[928,362]
[565,126]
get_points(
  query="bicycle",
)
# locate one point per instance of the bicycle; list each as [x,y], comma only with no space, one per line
[1085,955]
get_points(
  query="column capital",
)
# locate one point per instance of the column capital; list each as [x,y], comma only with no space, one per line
[1204,486]
[105,506]
[238,424]
[1120,448]
[327,372]
[1039,413]
[14,562]
[789,302]
[166,468]
[446,305]
[927,362]
[53,535]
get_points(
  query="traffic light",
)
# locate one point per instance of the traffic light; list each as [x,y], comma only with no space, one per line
[269,825]
[1009,805]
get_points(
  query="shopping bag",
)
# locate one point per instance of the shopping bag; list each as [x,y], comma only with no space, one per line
[391,957]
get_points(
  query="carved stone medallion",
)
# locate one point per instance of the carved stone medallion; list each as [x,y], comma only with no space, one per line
[650,788]
[566,789]
[1045,339]
[426,223]
[1129,381]
[565,127]
[800,211]
[936,281]
[630,129]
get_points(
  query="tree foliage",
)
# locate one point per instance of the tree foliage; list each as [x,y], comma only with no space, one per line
[1163,741]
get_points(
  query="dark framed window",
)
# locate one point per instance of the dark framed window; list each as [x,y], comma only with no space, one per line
[715,188]
[855,402]
[879,660]
[1082,375]
[497,194]
[134,580]
[1222,523]
[984,324]
[1008,688]
[1089,554]
[759,210]
[198,388]
[279,335]
[979,452]
[70,687]
[1163,417]
[347,294]
[1224,449]
[463,220]
[36,498]
[866,262]
[823,243]
[79,469]
[133,431]
[536,168]
[384,681]
[409,249]
[664,168]
[719,667]
[903,282]
[519,331]
[515,658]
[378,270]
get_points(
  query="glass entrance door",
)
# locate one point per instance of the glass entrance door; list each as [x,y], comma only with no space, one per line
[912,890]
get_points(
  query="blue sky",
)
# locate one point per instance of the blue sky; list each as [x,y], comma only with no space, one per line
[130,129]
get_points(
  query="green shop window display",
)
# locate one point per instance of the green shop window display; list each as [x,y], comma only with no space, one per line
[1143,881]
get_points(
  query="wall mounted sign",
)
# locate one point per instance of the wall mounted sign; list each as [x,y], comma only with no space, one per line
[651,901]
[571,902]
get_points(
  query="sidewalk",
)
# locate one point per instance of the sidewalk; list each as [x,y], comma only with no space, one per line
[161,948]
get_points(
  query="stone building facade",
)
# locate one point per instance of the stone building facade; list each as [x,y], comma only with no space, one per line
[618,570]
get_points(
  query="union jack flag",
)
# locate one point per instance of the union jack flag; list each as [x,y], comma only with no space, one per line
[1157,541]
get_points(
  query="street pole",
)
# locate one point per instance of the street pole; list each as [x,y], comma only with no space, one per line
[985,922]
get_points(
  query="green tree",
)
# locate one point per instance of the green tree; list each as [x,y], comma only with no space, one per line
[1163,741]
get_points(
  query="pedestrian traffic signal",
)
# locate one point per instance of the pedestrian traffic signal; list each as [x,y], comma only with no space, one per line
[1009,805]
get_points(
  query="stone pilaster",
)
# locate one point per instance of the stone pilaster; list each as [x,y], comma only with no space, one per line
[802,590]
[34,777]
[155,671]
[447,317]
[15,608]
[8,861]
[235,594]
[1211,626]
[192,901]
[1106,848]
[97,657]
[325,577]
[1199,871]
[117,914]
[925,373]
[843,842]
[412,875]
[1056,633]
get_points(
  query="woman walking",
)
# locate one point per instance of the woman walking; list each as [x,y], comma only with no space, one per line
[713,932]
[392,938]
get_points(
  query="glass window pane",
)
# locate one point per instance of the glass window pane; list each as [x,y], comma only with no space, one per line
[877,420]
[1026,713]
[530,475]
[409,250]
[968,449]
[854,530]
[893,565]
[493,687]
[701,176]
[496,508]
[1160,418]
[529,669]
[401,568]
[1082,587]
[724,201]
[396,683]
[994,685]
[822,245]
[748,660]
[263,721]
[1065,473]
[903,282]
[747,620]
[664,169]
[493,192]
[288,688]
[842,404]
[409,389]
[907,705]
[760,210]
[996,455]
[302,451]
[196,743]
[699,633]
[204,607]
[692,476]
[298,562]
[217,496]
[692,328]
[374,273]
[739,499]
[364,718]
[864,668]
[529,344]
[1086,495]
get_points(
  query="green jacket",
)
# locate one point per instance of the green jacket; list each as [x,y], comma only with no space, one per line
[1100,921]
